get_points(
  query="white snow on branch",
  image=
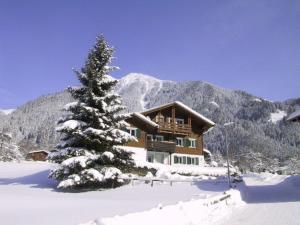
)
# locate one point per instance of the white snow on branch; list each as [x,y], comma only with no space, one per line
[70,105]
[70,125]
[214,104]
[71,162]
[109,155]
[93,174]
[111,172]
[106,79]
[96,132]
[111,68]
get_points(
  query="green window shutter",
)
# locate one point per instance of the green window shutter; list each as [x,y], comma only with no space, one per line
[138,133]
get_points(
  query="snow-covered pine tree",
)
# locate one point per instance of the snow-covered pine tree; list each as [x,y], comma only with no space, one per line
[9,151]
[92,128]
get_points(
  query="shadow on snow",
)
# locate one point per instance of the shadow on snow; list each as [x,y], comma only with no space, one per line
[218,185]
[36,180]
[286,191]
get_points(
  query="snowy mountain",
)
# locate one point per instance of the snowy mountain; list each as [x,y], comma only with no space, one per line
[6,111]
[33,125]
[137,89]
[258,126]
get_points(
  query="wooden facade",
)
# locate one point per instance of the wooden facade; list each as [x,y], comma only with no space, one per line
[37,155]
[172,128]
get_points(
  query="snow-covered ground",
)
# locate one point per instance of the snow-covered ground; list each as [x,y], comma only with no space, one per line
[204,212]
[277,116]
[263,199]
[270,200]
[28,197]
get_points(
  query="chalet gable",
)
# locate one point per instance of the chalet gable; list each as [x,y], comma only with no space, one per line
[171,115]
[295,116]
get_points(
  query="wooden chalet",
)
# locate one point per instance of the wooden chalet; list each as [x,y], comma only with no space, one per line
[39,155]
[170,134]
[295,116]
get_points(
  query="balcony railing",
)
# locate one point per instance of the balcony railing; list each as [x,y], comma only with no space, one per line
[177,128]
[161,146]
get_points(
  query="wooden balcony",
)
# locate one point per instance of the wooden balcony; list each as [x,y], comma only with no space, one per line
[174,128]
[161,146]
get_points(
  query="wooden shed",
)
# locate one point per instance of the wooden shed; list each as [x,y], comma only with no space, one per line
[39,155]
[295,116]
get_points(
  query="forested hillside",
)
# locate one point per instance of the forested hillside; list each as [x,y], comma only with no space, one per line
[256,129]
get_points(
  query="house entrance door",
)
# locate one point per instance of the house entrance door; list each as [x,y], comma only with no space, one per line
[160,157]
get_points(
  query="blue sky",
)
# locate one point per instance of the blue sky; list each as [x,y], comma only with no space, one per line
[247,45]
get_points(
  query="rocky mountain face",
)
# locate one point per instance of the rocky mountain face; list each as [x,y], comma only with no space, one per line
[253,126]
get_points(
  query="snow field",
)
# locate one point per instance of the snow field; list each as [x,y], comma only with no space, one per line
[201,211]
[29,197]
[277,116]
[271,199]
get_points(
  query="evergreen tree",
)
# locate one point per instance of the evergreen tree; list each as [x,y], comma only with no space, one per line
[92,128]
[9,151]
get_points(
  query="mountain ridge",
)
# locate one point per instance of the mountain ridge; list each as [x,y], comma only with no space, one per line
[33,124]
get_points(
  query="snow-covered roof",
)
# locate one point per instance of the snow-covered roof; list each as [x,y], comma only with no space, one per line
[207,151]
[294,115]
[195,113]
[185,107]
[38,151]
[145,119]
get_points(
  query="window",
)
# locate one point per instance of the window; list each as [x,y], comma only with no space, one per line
[180,160]
[179,141]
[150,158]
[159,138]
[149,137]
[175,159]
[179,121]
[188,160]
[193,161]
[132,131]
[192,143]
